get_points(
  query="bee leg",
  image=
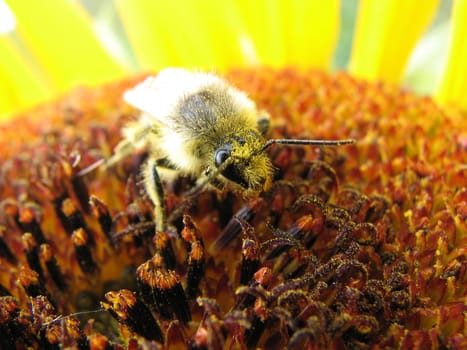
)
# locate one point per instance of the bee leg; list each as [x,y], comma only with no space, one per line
[123,149]
[135,137]
[263,123]
[215,182]
[164,163]
[153,185]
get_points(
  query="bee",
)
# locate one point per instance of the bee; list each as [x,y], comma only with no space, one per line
[198,125]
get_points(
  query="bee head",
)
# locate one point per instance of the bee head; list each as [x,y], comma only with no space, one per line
[242,162]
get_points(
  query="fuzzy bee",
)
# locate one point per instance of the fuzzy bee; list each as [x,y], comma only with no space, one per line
[198,125]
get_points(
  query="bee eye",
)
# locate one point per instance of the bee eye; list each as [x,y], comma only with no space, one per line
[221,156]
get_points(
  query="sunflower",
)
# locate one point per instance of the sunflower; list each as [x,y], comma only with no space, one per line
[361,246]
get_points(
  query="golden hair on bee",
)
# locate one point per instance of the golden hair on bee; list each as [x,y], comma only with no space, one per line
[196,124]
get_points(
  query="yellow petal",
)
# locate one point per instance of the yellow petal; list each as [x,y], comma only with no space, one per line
[7,101]
[144,24]
[222,31]
[385,35]
[312,32]
[301,33]
[453,86]
[60,37]
[189,33]
[263,21]
[21,84]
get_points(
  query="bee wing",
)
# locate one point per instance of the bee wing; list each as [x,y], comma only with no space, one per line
[144,96]
[159,95]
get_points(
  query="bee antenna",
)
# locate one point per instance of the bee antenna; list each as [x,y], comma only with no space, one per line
[91,168]
[307,142]
[64,317]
